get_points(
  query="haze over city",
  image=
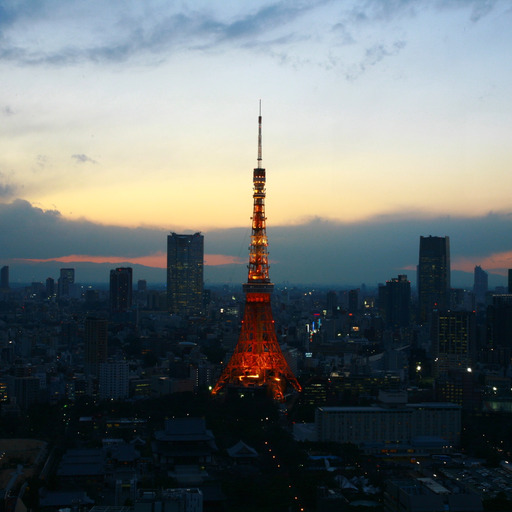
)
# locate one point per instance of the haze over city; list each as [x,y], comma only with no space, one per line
[382,121]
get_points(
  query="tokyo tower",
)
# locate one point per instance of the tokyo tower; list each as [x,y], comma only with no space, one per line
[257,360]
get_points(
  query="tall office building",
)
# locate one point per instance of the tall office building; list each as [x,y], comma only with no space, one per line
[395,302]
[185,254]
[453,341]
[480,285]
[121,289]
[433,275]
[65,282]
[96,335]
[499,325]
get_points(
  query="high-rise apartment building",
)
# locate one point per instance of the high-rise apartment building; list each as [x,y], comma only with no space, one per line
[113,380]
[433,275]
[453,341]
[121,289]
[185,255]
[96,336]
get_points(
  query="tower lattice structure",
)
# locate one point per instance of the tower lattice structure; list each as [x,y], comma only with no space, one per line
[257,360]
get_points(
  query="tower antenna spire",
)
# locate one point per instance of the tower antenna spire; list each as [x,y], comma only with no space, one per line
[259,139]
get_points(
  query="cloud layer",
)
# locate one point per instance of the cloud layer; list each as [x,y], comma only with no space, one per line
[107,32]
[318,251]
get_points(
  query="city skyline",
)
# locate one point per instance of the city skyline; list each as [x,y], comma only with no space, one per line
[387,120]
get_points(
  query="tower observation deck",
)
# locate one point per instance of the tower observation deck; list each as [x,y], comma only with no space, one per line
[257,360]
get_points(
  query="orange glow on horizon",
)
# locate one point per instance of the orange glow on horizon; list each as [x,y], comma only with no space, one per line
[498,263]
[156,260]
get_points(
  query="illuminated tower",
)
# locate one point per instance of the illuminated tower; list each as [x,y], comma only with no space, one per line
[257,360]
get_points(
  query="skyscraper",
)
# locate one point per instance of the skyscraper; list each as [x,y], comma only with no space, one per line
[433,275]
[185,255]
[65,282]
[121,289]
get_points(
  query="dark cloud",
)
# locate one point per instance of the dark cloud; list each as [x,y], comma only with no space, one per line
[41,161]
[82,159]
[265,19]
[7,190]
[378,10]
[377,52]
[478,9]
[30,232]
[132,34]
[318,251]
[135,32]
[343,33]
[6,111]
[373,56]
[322,251]
[483,8]
[371,12]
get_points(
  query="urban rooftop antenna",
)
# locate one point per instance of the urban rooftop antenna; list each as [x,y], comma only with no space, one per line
[259,139]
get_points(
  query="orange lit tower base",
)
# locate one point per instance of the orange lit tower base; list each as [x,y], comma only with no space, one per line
[257,360]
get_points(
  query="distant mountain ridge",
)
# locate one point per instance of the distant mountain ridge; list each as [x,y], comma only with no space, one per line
[87,272]
[233,274]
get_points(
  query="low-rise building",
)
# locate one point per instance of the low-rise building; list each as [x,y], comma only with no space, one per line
[378,428]
[421,494]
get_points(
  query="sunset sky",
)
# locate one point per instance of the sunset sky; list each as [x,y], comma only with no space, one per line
[140,118]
